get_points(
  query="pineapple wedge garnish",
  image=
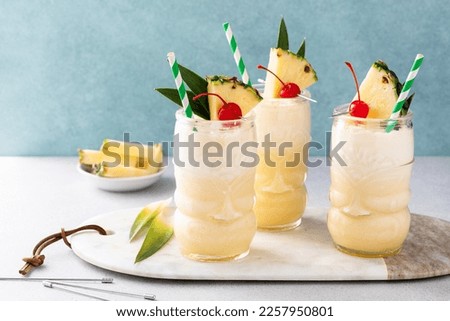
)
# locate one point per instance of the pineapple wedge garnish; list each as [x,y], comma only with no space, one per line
[290,68]
[380,89]
[231,90]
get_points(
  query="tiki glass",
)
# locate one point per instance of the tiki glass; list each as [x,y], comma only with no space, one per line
[283,132]
[369,192]
[214,175]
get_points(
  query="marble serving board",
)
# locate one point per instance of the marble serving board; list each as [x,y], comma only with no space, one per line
[306,253]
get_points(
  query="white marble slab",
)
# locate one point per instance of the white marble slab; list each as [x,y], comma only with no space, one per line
[306,253]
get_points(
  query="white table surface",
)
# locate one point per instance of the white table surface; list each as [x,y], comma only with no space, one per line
[39,195]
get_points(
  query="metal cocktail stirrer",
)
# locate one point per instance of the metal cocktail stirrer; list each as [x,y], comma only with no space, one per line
[62,286]
[102,280]
[51,285]
[54,283]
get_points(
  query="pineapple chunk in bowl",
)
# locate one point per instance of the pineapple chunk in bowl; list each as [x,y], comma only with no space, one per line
[121,167]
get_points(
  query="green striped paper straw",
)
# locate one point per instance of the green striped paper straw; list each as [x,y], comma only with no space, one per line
[405,92]
[180,84]
[236,54]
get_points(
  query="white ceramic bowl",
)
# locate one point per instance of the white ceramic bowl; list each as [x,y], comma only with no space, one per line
[122,184]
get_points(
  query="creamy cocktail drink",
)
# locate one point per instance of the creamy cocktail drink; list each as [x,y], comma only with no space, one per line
[369,191]
[283,121]
[281,172]
[214,167]
[214,195]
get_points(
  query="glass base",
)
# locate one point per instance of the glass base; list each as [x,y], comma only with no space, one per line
[281,228]
[210,258]
[367,254]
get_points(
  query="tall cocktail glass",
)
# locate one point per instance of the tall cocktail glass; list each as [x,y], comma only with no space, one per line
[369,193]
[283,128]
[214,173]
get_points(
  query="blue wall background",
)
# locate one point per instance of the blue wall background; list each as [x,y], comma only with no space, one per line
[75,72]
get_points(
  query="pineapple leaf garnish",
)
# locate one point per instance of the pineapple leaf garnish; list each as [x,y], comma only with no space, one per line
[406,105]
[197,85]
[195,82]
[171,94]
[198,106]
[283,39]
[301,51]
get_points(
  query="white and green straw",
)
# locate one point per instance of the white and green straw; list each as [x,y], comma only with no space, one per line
[405,92]
[236,54]
[180,84]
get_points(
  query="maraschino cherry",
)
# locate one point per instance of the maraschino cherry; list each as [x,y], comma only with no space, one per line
[289,90]
[228,111]
[357,108]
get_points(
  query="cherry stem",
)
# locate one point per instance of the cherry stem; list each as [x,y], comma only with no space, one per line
[349,65]
[262,67]
[209,94]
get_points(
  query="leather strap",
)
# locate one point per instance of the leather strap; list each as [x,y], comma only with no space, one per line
[38,259]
